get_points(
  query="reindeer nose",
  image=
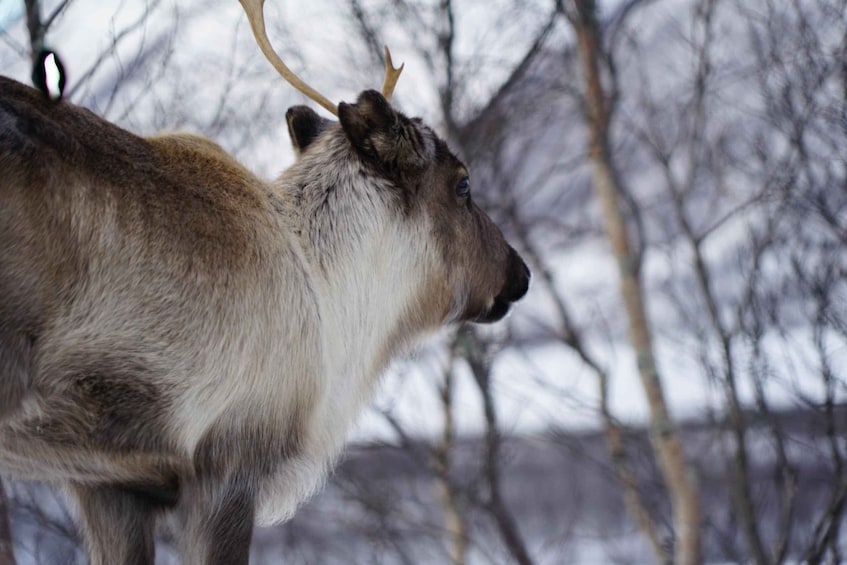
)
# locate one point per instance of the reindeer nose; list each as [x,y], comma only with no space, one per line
[517,282]
[527,275]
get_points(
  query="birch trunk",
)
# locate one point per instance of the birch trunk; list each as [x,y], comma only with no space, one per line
[676,472]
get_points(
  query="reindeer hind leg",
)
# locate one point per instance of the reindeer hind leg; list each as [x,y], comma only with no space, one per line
[57,440]
[118,525]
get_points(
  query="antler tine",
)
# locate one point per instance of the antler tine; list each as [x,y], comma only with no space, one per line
[391,75]
[256,16]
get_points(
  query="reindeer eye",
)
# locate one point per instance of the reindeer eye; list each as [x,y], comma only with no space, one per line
[463,189]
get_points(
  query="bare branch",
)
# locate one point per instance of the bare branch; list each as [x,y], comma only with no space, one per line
[57,11]
[473,353]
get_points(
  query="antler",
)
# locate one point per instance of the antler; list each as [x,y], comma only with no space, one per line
[391,75]
[256,16]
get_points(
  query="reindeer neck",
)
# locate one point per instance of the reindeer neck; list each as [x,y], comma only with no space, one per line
[368,267]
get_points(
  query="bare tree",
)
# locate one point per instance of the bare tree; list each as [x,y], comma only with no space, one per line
[476,355]
[677,473]
[677,192]
[720,170]
[454,521]
[572,338]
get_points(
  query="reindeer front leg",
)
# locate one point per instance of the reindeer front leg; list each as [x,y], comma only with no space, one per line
[217,521]
[217,508]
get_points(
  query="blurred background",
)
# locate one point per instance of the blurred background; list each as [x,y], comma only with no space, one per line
[675,173]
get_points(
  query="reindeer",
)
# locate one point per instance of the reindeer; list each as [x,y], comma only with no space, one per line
[179,337]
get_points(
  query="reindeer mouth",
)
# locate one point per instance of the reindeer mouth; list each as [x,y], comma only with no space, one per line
[515,288]
[496,313]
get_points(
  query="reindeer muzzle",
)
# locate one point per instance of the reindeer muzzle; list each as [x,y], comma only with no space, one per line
[515,287]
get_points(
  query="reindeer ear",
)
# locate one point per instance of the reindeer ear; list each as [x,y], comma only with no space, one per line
[381,134]
[304,127]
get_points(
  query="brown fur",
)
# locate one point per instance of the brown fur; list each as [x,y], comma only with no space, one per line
[177,334]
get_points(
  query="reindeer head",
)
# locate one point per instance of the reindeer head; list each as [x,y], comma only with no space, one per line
[424,184]
[478,275]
